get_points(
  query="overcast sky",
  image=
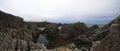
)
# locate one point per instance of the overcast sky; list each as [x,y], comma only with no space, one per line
[64,11]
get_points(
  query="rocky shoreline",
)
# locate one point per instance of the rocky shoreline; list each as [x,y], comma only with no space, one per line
[19,35]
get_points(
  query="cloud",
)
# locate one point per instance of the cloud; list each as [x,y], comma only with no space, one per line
[65,11]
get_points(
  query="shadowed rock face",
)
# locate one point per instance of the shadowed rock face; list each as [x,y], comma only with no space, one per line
[10,21]
[39,24]
[111,42]
[94,27]
[68,33]
[105,30]
[15,34]
[73,30]
[51,30]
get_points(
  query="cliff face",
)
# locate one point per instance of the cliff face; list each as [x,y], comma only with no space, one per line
[105,30]
[111,41]
[10,21]
[15,34]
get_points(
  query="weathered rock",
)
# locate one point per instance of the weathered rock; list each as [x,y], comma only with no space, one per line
[67,33]
[42,39]
[73,30]
[82,41]
[94,27]
[7,43]
[69,47]
[18,35]
[39,24]
[111,42]
[51,31]
[15,33]
[105,30]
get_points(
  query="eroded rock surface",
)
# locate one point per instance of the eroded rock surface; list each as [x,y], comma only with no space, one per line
[15,34]
[111,42]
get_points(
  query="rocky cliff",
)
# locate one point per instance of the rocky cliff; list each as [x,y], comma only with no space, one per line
[15,34]
[110,42]
[18,35]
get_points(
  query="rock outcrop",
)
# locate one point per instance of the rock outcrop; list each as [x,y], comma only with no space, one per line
[94,27]
[15,34]
[73,30]
[82,41]
[18,35]
[105,30]
[39,24]
[10,21]
[111,42]
[51,30]
[68,33]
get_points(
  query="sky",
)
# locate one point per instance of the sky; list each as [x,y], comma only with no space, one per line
[63,11]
